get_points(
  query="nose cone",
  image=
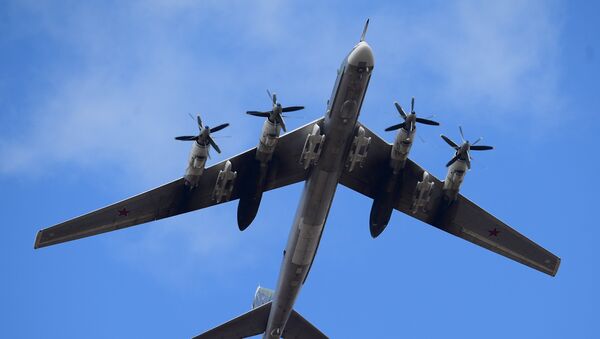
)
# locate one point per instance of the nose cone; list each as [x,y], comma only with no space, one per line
[361,55]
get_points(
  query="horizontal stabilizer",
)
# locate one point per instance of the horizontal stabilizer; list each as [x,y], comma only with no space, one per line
[248,324]
[255,321]
[299,328]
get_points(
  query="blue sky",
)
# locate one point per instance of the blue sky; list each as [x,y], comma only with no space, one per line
[92,94]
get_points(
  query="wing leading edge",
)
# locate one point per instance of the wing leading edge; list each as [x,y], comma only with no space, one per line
[176,198]
[462,218]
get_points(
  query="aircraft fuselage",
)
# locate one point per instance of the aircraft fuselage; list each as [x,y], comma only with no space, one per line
[339,128]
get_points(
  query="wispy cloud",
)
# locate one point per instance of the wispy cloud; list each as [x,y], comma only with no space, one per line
[499,56]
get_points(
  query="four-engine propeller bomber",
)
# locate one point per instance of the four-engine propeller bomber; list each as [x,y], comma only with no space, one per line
[335,149]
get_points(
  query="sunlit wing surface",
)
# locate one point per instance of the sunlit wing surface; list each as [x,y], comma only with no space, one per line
[463,218]
[176,198]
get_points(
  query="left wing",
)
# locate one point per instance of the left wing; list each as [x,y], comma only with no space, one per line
[462,218]
[176,198]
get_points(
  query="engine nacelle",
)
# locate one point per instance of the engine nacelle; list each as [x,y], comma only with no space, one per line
[224,184]
[312,147]
[197,160]
[454,178]
[401,148]
[268,141]
[383,204]
[251,191]
[422,193]
[358,150]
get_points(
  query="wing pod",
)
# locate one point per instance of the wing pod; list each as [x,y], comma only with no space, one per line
[358,150]
[312,147]
[224,184]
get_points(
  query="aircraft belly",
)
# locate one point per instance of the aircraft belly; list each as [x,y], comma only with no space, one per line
[306,246]
[303,243]
[305,235]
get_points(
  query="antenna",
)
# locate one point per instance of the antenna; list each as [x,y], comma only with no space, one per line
[362,37]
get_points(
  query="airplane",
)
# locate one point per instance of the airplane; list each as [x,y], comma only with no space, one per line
[335,149]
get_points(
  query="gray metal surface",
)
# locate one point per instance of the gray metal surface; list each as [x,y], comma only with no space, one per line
[175,197]
[339,128]
[462,218]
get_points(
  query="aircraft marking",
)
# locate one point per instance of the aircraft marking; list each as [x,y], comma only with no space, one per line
[494,232]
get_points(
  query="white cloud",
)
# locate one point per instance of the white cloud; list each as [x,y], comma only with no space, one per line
[500,56]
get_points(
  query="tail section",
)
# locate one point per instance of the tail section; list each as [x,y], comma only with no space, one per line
[255,321]
[262,296]
[248,324]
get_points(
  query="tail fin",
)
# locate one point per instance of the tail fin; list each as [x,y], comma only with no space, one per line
[262,296]
[255,321]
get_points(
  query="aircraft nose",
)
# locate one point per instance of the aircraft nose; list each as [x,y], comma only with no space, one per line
[362,53]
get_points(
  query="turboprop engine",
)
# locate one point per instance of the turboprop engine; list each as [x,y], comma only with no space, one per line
[199,152]
[405,136]
[254,180]
[459,164]
[272,127]
[383,204]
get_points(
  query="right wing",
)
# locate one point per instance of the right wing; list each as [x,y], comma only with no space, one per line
[462,218]
[176,198]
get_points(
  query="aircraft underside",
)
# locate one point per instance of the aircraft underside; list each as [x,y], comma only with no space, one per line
[335,149]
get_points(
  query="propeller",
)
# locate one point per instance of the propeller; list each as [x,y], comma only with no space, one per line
[275,114]
[410,119]
[204,137]
[462,151]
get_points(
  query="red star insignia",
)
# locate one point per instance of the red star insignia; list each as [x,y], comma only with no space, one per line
[494,232]
[123,212]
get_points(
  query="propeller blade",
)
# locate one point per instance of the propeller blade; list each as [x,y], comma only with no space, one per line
[481,148]
[199,121]
[186,138]
[273,97]
[428,122]
[214,144]
[462,136]
[395,127]
[279,120]
[292,109]
[259,114]
[450,142]
[453,160]
[412,105]
[476,141]
[400,110]
[218,128]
